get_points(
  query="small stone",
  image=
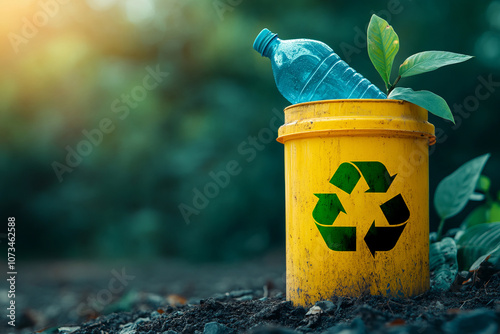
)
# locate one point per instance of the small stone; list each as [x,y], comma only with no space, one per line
[220,296]
[245,298]
[314,310]
[155,314]
[326,305]
[239,293]
[67,330]
[217,328]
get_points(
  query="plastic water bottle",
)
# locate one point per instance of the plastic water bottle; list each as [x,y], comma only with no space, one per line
[308,70]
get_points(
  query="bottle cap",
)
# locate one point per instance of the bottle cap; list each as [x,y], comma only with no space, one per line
[262,40]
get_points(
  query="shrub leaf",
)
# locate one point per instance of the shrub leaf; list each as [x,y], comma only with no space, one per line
[383,45]
[435,104]
[453,192]
[429,61]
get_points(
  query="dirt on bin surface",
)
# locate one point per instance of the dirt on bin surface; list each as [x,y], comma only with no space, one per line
[177,297]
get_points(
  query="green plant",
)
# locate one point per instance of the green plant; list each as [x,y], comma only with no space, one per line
[477,241]
[455,190]
[383,45]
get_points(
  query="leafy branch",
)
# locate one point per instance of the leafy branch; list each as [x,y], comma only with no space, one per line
[383,45]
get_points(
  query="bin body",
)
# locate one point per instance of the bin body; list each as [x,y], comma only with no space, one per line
[357,199]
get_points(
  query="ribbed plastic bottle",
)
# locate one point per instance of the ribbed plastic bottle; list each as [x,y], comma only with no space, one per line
[308,70]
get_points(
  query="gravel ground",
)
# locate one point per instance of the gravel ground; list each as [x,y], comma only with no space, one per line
[177,297]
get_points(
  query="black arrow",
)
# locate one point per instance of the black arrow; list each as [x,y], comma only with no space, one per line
[376,175]
[383,238]
[337,238]
[346,177]
[395,210]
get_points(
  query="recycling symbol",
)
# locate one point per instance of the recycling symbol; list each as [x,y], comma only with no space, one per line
[328,208]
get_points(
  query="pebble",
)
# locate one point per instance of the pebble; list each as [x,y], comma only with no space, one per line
[155,315]
[217,328]
[220,296]
[67,330]
[239,293]
[326,305]
[314,310]
[245,298]
[280,295]
[130,328]
[169,332]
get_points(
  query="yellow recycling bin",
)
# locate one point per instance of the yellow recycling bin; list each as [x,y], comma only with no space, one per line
[357,199]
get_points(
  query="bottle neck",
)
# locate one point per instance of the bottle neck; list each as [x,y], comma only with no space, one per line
[271,46]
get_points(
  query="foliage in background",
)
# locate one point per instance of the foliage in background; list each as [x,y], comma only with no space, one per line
[383,45]
[478,238]
[122,200]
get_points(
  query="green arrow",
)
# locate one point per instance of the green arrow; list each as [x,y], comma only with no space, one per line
[346,177]
[338,238]
[383,238]
[376,175]
[327,209]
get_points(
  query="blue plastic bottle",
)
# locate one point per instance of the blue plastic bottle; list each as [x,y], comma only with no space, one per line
[307,70]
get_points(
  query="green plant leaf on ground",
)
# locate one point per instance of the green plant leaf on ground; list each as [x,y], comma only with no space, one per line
[443,262]
[453,192]
[477,241]
[433,103]
[493,258]
[383,45]
[429,61]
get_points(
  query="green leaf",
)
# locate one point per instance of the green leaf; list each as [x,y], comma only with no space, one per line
[383,45]
[486,213]
[477,216]
[494,258]
[477,241]
[429,61]
[433,103]
[453,192]
[494,214]
[443,263]
[483,184]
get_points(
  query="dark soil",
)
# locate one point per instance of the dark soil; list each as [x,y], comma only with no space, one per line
[472,311]
[256,305]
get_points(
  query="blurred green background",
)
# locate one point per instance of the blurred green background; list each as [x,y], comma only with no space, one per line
[68,65]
